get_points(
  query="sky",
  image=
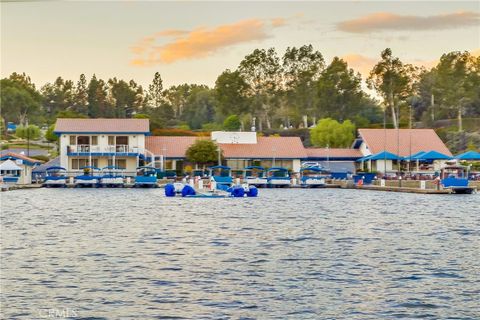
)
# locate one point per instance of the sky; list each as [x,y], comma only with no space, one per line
[194,41]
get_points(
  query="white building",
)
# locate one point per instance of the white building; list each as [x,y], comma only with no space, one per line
[102,142]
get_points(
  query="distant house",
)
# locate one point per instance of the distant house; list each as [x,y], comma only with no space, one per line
[240,149]
[102,142]
[17,168]
[402,143]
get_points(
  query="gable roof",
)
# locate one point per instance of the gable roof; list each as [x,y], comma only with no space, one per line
[265,148]
[15,156]
[65,125]
[411,141]
[333,153]
[469,155]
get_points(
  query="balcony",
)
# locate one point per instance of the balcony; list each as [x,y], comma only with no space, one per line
[102,150]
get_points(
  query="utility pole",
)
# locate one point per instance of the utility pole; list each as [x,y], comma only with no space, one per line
[28,139]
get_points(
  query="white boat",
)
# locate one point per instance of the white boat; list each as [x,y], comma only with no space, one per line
[112,176]
[255,176]
[311,177]
[55,177]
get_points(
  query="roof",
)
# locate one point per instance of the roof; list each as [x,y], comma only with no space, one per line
[411,141]
[55,162]
[265,148]
[384,155]
[432,155]
[15,156]
[333,153]
[9,165]
[171,146]
[469,155]
[65,125]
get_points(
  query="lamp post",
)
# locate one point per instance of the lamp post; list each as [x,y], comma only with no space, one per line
[273,158]
[219,156]
[28,138]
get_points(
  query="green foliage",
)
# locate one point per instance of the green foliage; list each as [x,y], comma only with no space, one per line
[31,132]
[50,136]
[141,116]
[331,133]
[173,132]
[232,123]
[70,114]
[211,126]
[41,157]
[202,152]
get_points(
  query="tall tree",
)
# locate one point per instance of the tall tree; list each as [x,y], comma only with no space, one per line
[231,94]
[339,91]
[456,79]
[19,99]
[390,78]
[80,104]
[155,91]
[99,104]
[263,73]
[302,68]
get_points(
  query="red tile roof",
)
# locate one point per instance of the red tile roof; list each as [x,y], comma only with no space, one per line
[172,146]
[19,156]
[333,153]
[266,147]
[411,141]
[102,125]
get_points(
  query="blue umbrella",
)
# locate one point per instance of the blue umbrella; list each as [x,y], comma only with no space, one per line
[469,155]
[433,155]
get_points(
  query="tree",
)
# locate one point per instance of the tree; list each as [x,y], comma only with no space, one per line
[390,78]
[98,102]
[80,104]
[203,152]
[340,94]
[456,83]
[231,92]
[262,72]
[155,91]
[124,96]
[58,96]
[19,99]
[302,68]
[330,133]
[199,107]
[232,123]
[50,135]
[31,132]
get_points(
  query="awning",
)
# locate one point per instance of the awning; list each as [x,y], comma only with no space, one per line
[433,155]
[9,165]
[469,155]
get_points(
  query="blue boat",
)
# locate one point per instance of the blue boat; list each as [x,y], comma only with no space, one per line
[146,177]
[113,177]
[255,176]
[187,191]
[455,178]
[220,177]
[313,177]
[278,177]
[90,177]
[55,177]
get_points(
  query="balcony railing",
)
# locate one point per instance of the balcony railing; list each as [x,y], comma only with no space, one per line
[86,148]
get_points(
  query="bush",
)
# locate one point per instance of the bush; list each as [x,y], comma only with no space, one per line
[173,132]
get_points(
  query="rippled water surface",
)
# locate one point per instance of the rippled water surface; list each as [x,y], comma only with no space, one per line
[289,254]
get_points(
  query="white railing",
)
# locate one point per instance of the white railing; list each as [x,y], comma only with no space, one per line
[86,148]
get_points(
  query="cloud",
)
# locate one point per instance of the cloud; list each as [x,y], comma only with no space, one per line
[200,42]
[384,21]
[360,63]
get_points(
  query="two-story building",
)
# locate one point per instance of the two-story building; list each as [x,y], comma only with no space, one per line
[102,142]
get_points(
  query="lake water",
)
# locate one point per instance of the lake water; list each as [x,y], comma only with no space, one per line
[289,254]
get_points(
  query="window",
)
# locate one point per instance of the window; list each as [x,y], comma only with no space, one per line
[119,163]
[94,140]
[73,140]
[122,140]
[111,140]
[79,163]
[83,140]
